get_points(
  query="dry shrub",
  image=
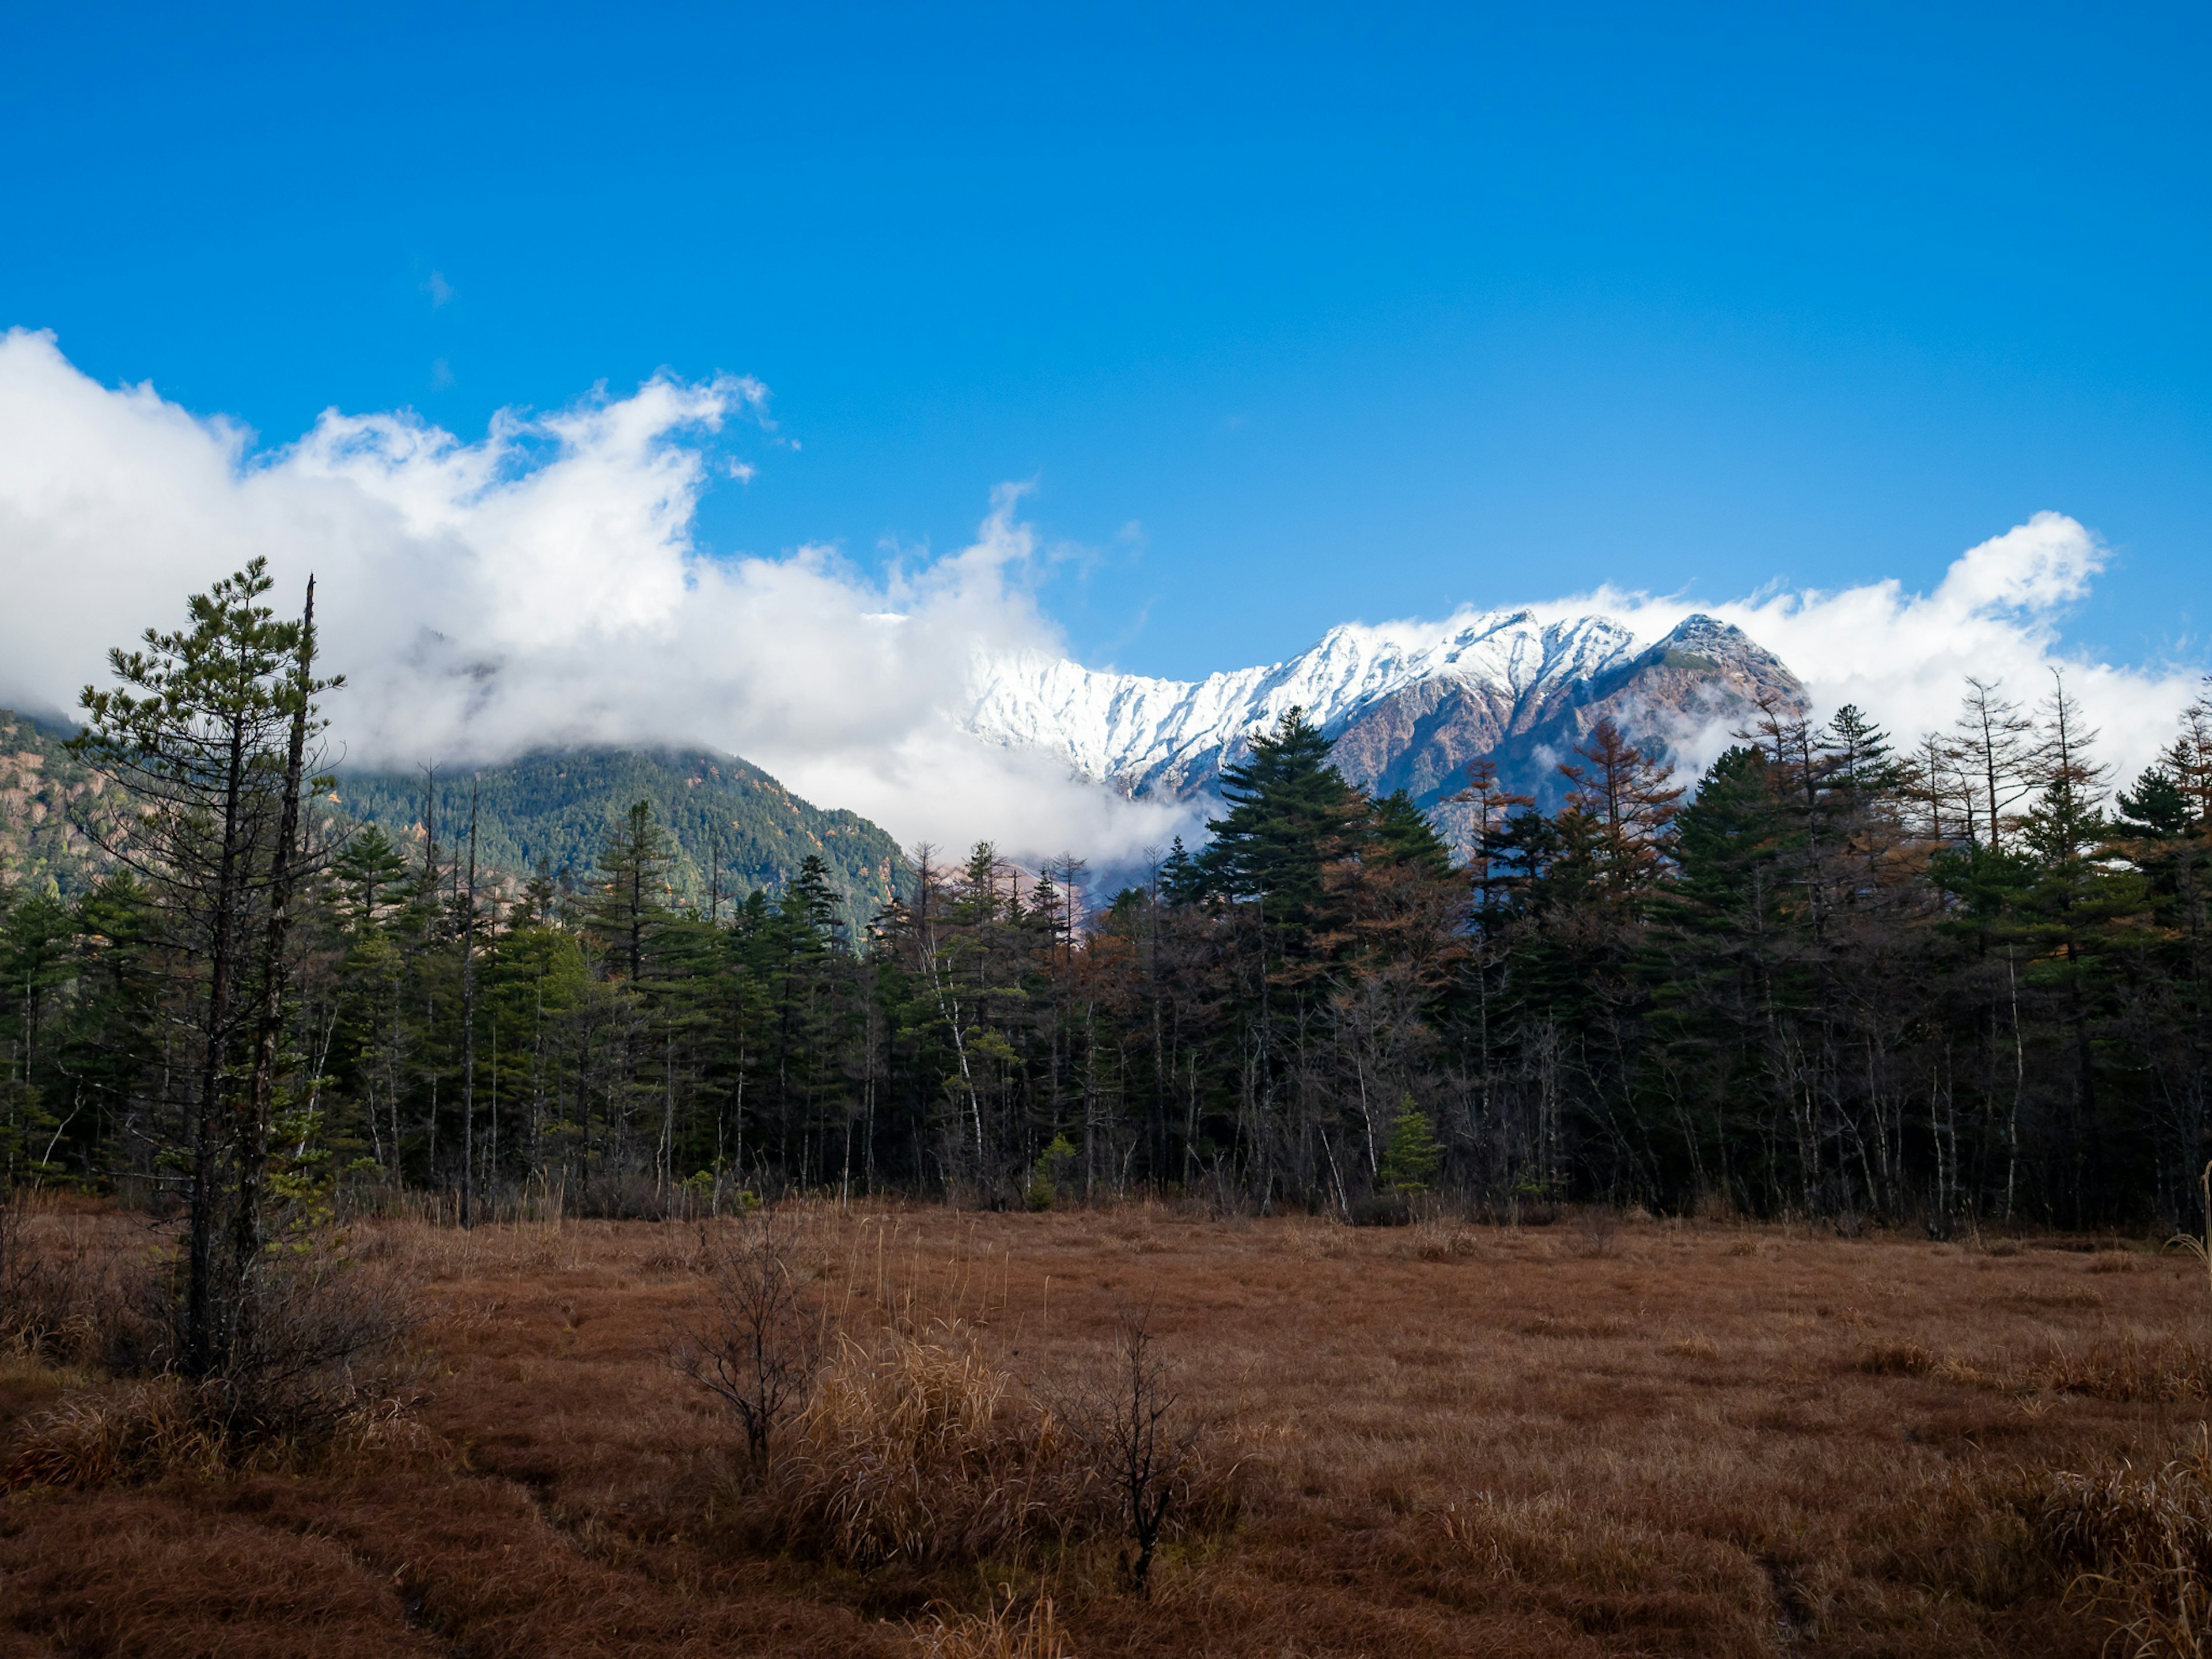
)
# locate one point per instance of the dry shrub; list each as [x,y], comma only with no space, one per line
[996,1633]
[1436,1241]
[672,1252]
[148,1431]
[926,1452]
[1579,1556]
[2132,1369]
[315,1335]
[312,1370]
[1600,1225]
[1896,1359]
[761,1340]
[2129,1369]
[142,1433]
[2141,1547]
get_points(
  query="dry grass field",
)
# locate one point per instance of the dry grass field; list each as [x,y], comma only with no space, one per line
[1652,1438]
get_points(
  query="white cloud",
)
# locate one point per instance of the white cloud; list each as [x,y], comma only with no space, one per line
[540,586]
[1905,657]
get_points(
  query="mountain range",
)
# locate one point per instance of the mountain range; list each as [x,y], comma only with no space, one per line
[1409,705]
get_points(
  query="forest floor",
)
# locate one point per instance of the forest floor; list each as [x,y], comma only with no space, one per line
[1590,1437]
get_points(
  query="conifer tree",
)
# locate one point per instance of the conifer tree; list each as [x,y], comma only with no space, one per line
[629,901]
[1413,1156]
[204,730]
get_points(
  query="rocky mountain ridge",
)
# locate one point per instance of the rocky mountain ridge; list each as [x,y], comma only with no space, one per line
[1409,704]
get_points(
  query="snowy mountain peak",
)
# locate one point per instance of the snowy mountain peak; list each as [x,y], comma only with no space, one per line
[1504,671]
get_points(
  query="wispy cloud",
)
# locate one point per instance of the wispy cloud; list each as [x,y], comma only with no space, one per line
[438,289]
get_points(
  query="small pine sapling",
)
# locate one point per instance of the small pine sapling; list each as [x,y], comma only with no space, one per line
[1413,1156]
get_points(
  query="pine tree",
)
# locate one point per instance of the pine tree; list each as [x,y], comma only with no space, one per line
[1623,802]
[629,901]
[1290,814]
[1413,1156]
[205,731]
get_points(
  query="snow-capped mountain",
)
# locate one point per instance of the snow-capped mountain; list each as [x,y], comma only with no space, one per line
[1409,703]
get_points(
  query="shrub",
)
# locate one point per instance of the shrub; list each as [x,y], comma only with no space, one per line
[923,1451]
[306,1342]
[1412,1159]
[761,1342]
[312,1334]
[1049,1173]
[1142,1447]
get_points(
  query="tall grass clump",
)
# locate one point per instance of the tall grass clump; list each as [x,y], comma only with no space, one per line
[997,1633]
[2140,1546]
[921,1451]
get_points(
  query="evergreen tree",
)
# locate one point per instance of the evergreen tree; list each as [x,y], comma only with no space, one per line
[1413,1156]
[629,903]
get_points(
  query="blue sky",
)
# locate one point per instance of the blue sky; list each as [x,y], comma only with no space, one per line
[1292,316]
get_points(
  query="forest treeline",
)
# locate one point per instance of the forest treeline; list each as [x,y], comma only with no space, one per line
[1958,981]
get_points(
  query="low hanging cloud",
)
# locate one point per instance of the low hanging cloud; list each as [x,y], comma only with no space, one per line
[542,585]
[1904,657]
[539,586]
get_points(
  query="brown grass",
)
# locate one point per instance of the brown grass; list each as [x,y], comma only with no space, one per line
[997,1632]
[1701,1438]
[923,1450]
[2144,1545]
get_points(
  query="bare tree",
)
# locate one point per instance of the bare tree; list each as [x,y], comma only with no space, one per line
[1993,746]
[762,1339]
[1144,1448]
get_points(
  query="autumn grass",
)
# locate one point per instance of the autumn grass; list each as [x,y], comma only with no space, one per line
[1000,1631]
[1639,1436]
[923,1450]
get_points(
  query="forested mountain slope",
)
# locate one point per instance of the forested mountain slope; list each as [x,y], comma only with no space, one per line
[40,781]
[560,807]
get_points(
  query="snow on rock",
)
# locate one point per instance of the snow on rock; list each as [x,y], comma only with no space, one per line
[1150,736]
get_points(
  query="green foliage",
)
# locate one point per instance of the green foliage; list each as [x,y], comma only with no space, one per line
[1413,1156]
[1290,812]
[1049,1173]
[556,810]
[47,791]
[1824,983]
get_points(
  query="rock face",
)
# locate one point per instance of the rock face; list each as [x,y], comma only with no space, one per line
[1409,705]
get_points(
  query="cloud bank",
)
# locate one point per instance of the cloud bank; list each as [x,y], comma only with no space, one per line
[542,585]
[539,586]
[1905,657]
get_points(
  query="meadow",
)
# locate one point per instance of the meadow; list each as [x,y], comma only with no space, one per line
[1603,1436]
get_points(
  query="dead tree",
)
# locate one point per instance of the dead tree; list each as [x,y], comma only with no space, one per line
[761,1339]
[1145,1453]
